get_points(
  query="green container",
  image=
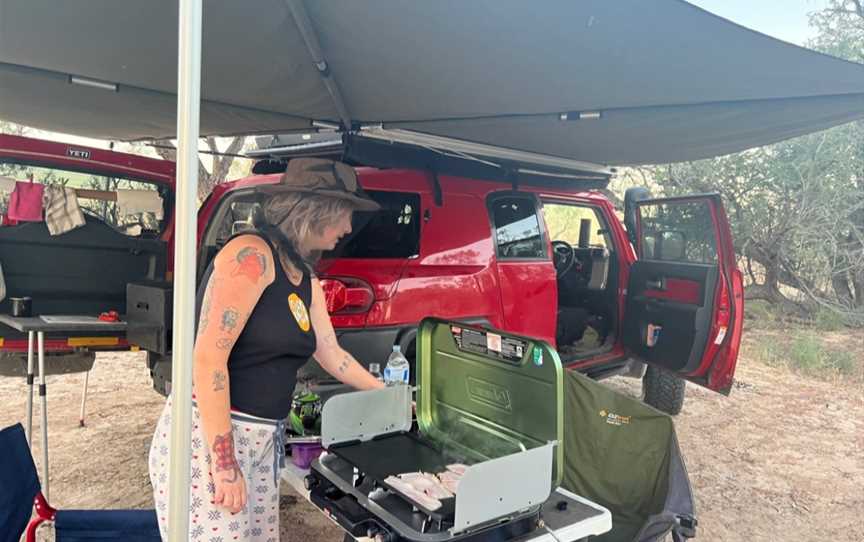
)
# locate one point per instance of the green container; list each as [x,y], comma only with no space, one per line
[483,394]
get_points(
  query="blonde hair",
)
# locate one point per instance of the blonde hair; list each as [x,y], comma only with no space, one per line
[298,215]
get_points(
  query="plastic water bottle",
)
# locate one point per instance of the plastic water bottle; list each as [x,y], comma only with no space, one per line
[396,370]
[375,370]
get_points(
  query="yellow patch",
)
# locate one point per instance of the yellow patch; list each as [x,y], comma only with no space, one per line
[298,309]
[93,341]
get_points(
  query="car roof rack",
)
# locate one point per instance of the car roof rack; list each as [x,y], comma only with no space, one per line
[388,148]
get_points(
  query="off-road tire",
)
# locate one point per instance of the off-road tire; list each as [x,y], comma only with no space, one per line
[663,390]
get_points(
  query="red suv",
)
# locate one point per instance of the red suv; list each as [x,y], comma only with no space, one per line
[553,263]
[550,263]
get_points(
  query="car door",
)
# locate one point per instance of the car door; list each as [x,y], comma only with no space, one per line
[684,301]
[526,276]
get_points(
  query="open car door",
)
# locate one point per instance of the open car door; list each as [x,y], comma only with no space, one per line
[684,306]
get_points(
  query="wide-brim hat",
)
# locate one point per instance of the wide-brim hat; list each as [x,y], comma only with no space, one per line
[322,177]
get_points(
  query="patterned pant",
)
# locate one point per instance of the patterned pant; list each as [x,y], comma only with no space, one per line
[257,457]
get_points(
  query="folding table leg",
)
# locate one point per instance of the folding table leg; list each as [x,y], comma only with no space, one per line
[30,338]
[43,393]
[83,399]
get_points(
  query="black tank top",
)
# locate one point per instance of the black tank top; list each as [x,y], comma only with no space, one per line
[275,342]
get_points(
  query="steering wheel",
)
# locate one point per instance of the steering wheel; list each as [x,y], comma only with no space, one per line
[563,257]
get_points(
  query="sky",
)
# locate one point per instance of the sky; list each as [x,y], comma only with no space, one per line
[783,19]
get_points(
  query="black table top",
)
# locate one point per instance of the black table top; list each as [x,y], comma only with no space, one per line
[34,323]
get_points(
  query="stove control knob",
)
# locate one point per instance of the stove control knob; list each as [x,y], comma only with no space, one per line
[309,482]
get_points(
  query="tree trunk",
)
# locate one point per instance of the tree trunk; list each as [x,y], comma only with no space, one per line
[221,162]
[764,292]
[840,283]
[858,285]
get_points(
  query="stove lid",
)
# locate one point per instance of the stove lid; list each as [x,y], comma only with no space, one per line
[484,394]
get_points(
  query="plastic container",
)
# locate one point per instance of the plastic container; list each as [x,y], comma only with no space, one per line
[303,454]
[397,368]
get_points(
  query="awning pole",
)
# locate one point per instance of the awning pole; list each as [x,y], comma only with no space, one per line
[313,45]
[185,226]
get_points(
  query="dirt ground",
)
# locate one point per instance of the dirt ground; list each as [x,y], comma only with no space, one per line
[782,458]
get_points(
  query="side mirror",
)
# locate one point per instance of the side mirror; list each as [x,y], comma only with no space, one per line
[631,197]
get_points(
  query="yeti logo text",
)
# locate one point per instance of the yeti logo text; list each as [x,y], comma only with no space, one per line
[78,153]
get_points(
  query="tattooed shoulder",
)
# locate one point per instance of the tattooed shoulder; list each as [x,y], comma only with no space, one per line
[249,262]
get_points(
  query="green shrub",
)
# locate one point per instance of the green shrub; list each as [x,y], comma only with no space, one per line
[807,354]
[828,320]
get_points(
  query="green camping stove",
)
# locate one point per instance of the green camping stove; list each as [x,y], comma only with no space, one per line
[485,399]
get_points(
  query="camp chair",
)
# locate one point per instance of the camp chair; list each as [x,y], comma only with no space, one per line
[21,493]
[624,455]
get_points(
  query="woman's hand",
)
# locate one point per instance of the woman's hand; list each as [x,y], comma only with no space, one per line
[230,486]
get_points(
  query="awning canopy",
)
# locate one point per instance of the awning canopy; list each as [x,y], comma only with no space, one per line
[603,81]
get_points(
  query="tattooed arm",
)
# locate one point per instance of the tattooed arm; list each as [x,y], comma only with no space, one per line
[329,354]
[242,270]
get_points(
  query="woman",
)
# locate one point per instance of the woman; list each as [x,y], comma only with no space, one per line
[261,316]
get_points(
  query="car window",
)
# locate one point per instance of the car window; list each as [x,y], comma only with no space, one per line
[517,229]
[242,214]
[392,232]
[564,222]
[139,224]
[680,231]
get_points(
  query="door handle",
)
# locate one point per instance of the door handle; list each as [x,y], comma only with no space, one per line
[656,284]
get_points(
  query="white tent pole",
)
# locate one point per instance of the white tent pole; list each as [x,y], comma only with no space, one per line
[185,227]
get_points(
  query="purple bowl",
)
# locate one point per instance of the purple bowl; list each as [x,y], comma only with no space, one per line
[303,454]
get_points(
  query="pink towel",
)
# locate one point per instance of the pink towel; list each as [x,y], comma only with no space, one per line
[25,203]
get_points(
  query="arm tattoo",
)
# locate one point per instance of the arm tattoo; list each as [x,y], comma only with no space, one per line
[219,379]
[230,316]
[250,264]
[224,344]
[224,459]
[329,340]
[204,317]
[346,361]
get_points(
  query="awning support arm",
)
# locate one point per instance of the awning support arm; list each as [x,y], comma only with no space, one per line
[298,11]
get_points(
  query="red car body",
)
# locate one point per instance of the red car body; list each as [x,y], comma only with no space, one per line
[458,273]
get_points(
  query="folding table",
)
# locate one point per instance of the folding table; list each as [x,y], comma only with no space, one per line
[36,327]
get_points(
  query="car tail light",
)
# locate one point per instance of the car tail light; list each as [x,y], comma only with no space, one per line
[722,315]
[345,295]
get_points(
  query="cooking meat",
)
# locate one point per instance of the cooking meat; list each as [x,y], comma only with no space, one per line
[420,498]
[458,468]
[450,480]
[427,483]
[438,490]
